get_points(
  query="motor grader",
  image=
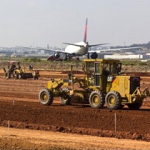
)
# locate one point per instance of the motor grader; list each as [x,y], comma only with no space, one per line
[102,83]
[14,70]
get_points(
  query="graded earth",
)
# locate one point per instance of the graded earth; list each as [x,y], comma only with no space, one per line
[21,109]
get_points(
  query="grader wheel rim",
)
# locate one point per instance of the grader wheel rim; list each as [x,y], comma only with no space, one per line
[111,100]
[95,100]
[44,97]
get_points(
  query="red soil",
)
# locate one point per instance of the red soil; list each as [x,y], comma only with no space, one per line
[20,105]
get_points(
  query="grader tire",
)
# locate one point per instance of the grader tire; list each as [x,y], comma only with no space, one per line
[135,106]
[46,97]
[66,99]
[113,100]
[96,99]
[121,106]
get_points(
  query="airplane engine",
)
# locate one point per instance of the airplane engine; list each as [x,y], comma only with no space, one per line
[94,55]
[56,55]
[63,56]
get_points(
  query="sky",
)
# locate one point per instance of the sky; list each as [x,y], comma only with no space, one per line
[52,22]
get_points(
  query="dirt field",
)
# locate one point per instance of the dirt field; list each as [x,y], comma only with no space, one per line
[73,124]
[33,139]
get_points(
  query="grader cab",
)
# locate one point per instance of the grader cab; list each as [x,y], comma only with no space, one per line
[102,84]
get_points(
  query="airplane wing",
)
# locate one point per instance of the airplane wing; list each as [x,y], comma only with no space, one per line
[88,45]
[98,44]
[74,44]
[117,49]
[45,49]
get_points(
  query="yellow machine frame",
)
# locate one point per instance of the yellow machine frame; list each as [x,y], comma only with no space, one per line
[102,84]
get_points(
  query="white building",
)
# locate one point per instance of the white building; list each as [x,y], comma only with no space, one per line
[123,56]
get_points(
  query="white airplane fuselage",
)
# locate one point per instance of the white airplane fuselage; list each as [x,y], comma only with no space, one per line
[77,50]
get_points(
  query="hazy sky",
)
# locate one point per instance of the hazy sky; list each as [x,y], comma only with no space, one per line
[42,22]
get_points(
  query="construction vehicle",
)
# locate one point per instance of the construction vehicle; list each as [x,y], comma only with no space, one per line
[103,83]
[14,70]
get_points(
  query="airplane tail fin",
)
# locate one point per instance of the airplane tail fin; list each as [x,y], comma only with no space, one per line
[85,32]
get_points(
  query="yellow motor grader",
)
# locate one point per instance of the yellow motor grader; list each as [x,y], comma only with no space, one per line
[14,70]
[101,84]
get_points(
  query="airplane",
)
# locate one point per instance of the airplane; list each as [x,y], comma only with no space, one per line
[78,49]
[74,49]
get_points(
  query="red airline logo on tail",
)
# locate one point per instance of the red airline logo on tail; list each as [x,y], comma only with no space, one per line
[85,33]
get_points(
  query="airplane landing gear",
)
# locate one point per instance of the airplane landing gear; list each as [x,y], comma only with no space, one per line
[88,55]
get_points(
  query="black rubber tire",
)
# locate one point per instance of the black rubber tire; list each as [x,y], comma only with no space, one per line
[121,106]
[135,106]
[113,100]
[65,100]
[46,97]
[96,99]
